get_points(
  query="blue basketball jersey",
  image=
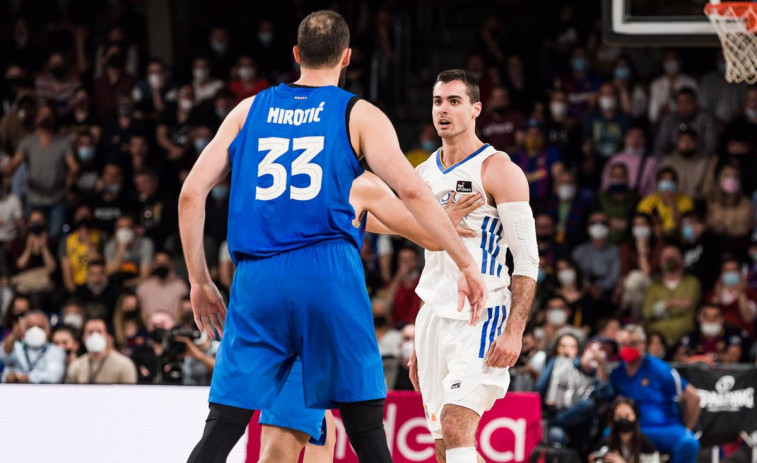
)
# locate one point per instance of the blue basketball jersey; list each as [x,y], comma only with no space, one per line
[292,171]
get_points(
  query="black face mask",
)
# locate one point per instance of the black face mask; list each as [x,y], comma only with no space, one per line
[68,352]
[83,223]
[380,321]
[58,73]
[161,272]
[36,230]
[624,425]
[501,110]
[544,238]
[158,334]
[688,153]
[131,314]
[116,61]
[46,124]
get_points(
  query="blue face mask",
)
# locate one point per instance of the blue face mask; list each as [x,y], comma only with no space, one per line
[687,233]
[86,153]
[428,146]
[112,188]
[622,72]
[542,275]
[579,64]
[618,187]
[220,192]
[751,113]
[219,47]
[666,185]
[200,144]
[731,278]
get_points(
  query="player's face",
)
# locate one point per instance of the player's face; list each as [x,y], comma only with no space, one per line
[452,111]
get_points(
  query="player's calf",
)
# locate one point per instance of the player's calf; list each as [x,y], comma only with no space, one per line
[364,424]
[223,428]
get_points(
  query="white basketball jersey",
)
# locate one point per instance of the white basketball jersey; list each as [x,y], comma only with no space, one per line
[438,283]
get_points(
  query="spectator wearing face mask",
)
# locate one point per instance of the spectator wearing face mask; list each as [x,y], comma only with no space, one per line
[113,82]
[668,404]
[546,242]
[730,214]
[541,163]
[163,290]
[631,95]
[406,351]
[702,250]
[585,310]
[744,126]
[688,116]
[18,306]
[736,300]
[670,302]
[18,123]
[618,202]
[713,342]
[82,244]
[501,123]
[639,259]
[34,261]
[112,201]
[529,366]
[65,337]
[175,124]
[690,163]
[248,81]
[98,293]
[199,354]
[152,95]
[157,212]
[128,326]
[27,354]
[641,166]
[563,131]
[605,126]
[428,143]
[581,83]
[668,204]
[204,86]
[128,256]
[625,443]
[220,52]
[598,259]
[101,364]
[57,84]
[90,166]
[82,119]
[662,88]
[72,315]
[557,322]
[569,206]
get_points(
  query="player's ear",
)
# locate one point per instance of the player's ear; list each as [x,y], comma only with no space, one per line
[477,106]
[346,56]
[296,52]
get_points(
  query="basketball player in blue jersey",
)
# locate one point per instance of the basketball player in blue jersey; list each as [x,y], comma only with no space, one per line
[299,290]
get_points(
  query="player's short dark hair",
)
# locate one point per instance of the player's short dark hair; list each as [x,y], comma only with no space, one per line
[470,81]
[322,38]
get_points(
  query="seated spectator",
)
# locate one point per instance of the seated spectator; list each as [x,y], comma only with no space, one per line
[117,37]
[744,126]
[546,242]
[199,358]
[632,94]
[101,364]
[569,206]
[98,293]
[737,151]
[82,119]
[573,389]
[718,96]
[18,123]
[557,315]
[174,125]
[83,244]
[563,131]
[598,259]
[529,366]
[127,256]
[72,315]
[113,199]
[713,342]
[203,85]
[248,81]
[690,163]
[540,162]
[608,328]
[401,289]
[702,250]
[428,142]
[65,337]
[17,308]
[730,215]
[626,443]
[57,84]
[118,131]
[662,89]
[656,346]
[570,286]
[90,165]
[114,82]
[501,122]
[606,125]
[389,339]
[618,202]
[128,326]
[670,302]
[156,364]
[157,213]
[27,354]
[736,300]
[659,391]
[220,53]
[667,205]
[640,164]
[406,352]
[581,83]
[34,261]
[152,95]
[639,259]
[687,116]
[163,290]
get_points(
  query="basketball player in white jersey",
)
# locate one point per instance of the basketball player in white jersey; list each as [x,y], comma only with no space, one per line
[461,360]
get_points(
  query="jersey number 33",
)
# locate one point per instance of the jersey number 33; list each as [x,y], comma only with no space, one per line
[302,165]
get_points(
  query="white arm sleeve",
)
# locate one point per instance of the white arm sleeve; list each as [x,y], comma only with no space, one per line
[519,231]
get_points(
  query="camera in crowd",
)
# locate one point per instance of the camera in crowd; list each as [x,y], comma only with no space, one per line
[170,361]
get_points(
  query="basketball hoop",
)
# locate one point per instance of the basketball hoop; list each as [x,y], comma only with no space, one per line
[736,25]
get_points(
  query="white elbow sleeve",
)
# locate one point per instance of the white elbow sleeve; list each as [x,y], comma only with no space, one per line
[519,231]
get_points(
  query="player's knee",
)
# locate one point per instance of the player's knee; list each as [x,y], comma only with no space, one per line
[458,428]
[362,416]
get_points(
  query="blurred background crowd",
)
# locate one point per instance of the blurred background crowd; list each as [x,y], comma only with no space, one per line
[641,164]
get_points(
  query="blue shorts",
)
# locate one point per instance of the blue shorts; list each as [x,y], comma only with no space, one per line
[312,303]
[288,410]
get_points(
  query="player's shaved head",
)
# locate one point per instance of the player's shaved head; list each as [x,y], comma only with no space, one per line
[467,78]
[322,38]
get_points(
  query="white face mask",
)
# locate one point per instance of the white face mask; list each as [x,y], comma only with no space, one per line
[200,74]
[96,343]
[671,66]
[557,317]
[154,80]
[406,351]
[566,192]
[246,73]
[124,235]
[598,231]
[607,103]
[558,109]
[641,232]
[185,104]
[566,276]
[74,320]
[711,329]
[35,337]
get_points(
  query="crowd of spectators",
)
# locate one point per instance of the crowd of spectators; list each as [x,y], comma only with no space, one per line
[642,181]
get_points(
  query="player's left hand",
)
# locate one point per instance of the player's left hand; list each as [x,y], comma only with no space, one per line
[505,350]
[208,307]
[458,210]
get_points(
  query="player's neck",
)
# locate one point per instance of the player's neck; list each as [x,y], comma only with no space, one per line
[459,147]
[318,77]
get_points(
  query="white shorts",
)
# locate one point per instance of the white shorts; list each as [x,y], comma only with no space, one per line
[451,367]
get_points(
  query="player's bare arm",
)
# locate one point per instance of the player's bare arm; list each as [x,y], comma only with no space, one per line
[507,188]
[211,167]
[389,216]
[373,135]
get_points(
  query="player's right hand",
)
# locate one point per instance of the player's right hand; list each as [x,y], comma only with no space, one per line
[458,210]
[412,364]
[471,285]
[208,307]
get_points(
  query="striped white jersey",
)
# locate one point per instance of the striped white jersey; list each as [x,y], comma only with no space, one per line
[438,283]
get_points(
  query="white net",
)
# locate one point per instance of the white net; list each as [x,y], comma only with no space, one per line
[736,26]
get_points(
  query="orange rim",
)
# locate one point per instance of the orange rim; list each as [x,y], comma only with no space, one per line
[735,10]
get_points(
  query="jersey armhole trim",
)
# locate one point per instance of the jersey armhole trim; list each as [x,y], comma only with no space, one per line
[347,111]
[242,130]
